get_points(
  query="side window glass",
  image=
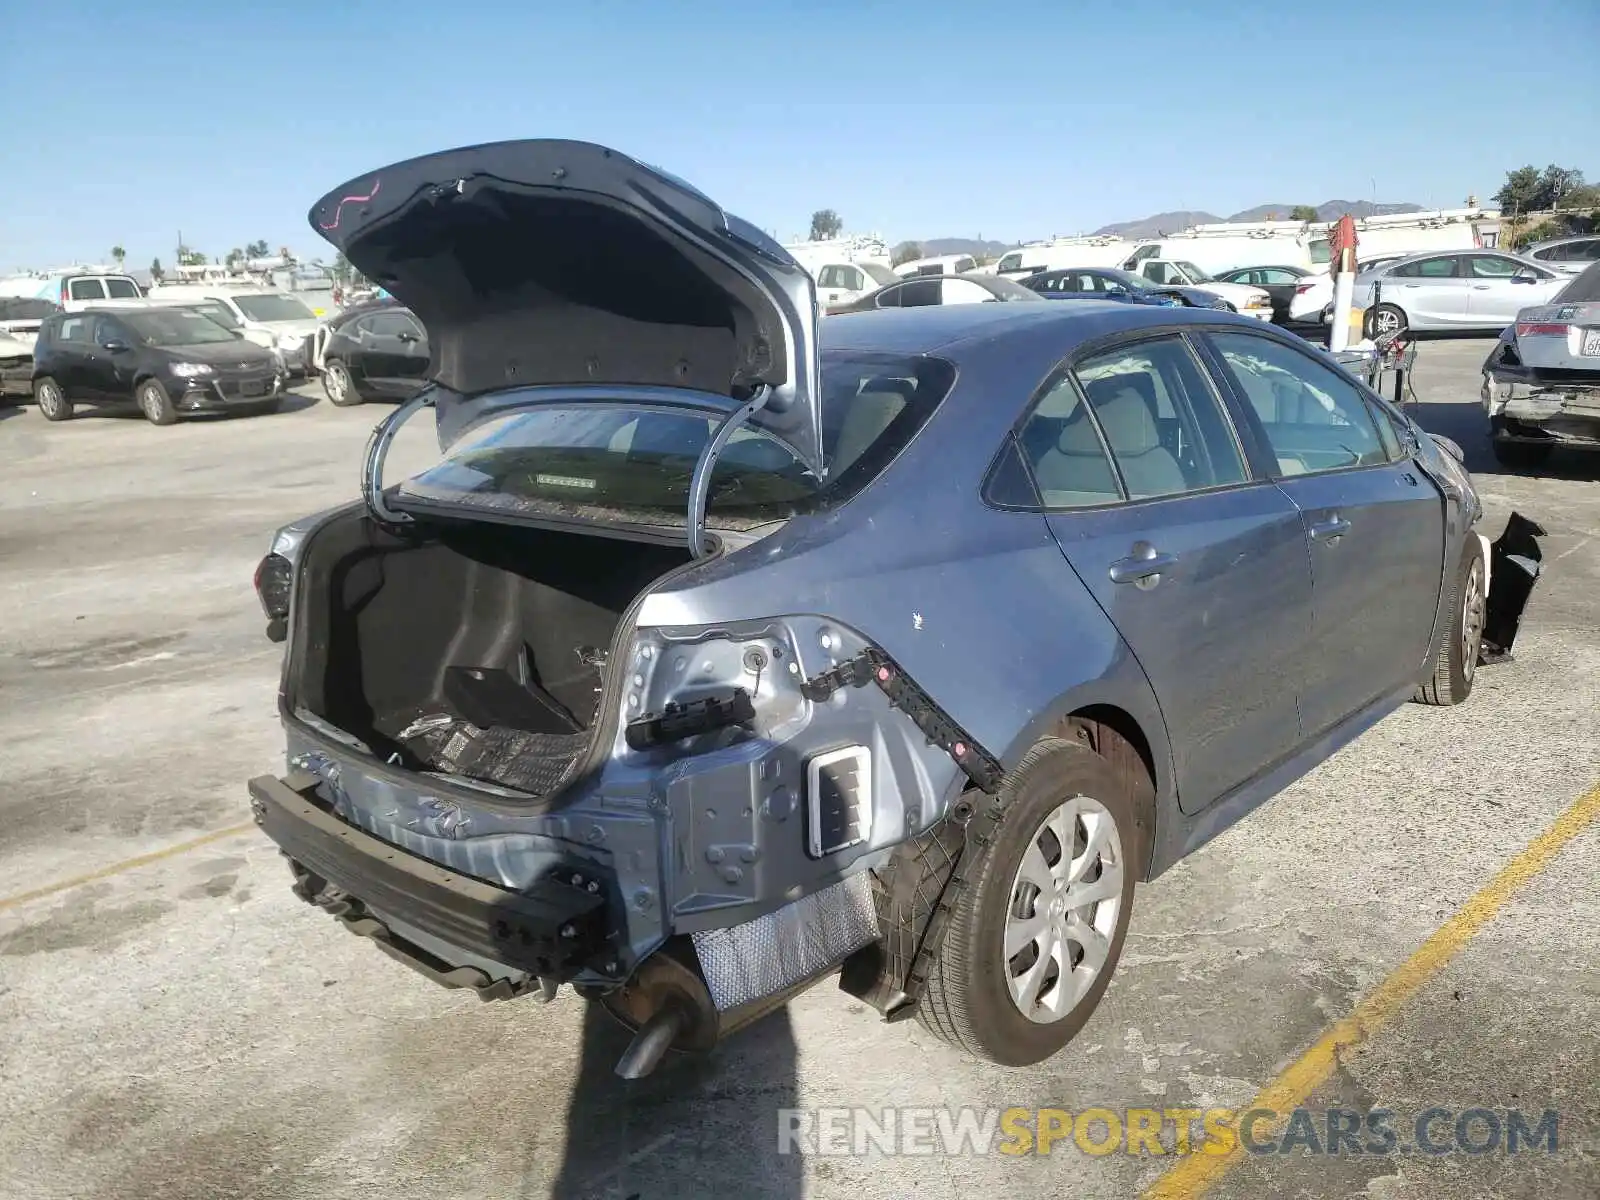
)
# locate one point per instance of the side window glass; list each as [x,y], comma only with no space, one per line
[889,297]
[1387,433]
[963,291]
[75,329]
[121,289]
[1064,450]
[1167,430]
[852,278]
[1492,266]
[1314,418]
[830,277]
[86,289]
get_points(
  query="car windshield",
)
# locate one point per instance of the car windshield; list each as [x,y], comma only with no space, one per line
[1194,273]
[273,308]
[1585,289]
[598,458]
[218,312]
[176,327]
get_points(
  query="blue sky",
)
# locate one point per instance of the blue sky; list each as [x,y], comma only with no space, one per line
[917,120]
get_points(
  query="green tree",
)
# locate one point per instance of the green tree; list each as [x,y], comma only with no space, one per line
[1528,189]
[157,272]
[257,249]
[118,254]
[1303,212]
[825,223]
[905,252]
[235,257]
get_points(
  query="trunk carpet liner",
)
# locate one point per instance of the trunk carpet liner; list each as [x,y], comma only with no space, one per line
[494,726]
[514,758]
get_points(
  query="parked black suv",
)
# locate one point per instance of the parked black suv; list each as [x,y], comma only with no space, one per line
[167,360]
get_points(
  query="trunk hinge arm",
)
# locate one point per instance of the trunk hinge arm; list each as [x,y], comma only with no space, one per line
[377,449]
[700,481]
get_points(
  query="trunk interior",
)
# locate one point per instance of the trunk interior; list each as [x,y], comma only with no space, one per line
[467,648]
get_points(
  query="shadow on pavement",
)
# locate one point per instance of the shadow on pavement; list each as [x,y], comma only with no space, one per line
[698,1126]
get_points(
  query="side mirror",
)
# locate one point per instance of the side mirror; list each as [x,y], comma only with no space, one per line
[1451,447]
[408,337]
[1525,275]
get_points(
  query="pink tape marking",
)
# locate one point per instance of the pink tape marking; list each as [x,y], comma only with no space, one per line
[339,212]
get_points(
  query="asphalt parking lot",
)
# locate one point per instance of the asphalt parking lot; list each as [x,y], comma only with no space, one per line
[174,1024]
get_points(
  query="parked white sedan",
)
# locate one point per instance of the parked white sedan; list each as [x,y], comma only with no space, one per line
[1460,289]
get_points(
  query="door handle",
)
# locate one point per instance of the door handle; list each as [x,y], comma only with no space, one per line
[1480,287]
[1143,569]
[1330,530]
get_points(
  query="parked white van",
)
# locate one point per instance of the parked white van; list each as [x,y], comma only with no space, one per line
[1059,254]
[842,282]
[938,264]
[279,321]
[74,289]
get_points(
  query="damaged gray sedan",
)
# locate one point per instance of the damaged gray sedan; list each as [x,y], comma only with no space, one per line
[1541,382]
[725,652]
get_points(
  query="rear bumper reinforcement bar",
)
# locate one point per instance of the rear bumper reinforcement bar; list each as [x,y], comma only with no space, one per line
[553,930]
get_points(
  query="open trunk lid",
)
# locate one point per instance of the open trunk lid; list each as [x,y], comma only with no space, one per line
[553,271]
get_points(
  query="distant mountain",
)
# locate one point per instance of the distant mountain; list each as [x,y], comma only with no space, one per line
[1328,210]
[1172,222]
[1167,222]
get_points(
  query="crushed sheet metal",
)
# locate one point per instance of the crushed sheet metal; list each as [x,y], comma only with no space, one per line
[761,957]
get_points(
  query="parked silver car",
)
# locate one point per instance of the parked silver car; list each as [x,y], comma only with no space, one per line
[727,649]
[1461,289]
[1541,382]
[1568,255]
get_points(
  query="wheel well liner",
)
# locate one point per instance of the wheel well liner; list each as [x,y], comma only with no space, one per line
[1116,736]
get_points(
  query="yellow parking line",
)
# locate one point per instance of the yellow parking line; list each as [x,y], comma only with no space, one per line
[1196,1175]
[127,864]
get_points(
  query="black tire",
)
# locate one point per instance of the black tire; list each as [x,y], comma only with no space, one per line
[1457,664]
[339,385]
[1391,313]
[1519,455]
[967,1001]
[155,403]
[52,400]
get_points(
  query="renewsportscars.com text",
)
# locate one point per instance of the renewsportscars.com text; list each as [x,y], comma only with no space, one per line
[1166,1131]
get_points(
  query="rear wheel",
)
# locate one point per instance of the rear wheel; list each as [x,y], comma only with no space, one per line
[338,384]
[52,401]
[155,404]
[1457,664]
[1037,930]
[1519,454]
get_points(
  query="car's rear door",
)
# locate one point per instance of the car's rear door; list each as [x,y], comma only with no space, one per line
[1201,567]
[72,359]
[1374,521]
[380,363]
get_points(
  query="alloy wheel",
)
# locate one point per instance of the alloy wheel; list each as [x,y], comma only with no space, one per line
[49,398]
[1065,902]
[1474,609]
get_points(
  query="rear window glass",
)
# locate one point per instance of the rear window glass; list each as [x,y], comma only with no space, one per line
[122,289]
[564,459]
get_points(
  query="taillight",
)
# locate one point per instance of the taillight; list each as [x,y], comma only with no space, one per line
[1300,289]
[1541,329]
[274,577]
[63,293]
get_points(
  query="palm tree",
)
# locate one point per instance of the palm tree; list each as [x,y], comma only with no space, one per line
[118,253]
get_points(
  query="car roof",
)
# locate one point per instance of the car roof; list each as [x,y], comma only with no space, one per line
[943,328]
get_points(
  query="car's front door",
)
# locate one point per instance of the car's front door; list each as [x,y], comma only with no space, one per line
[1203,571]
[115,359]
[381,361]
[1374,521]
[1497,292]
